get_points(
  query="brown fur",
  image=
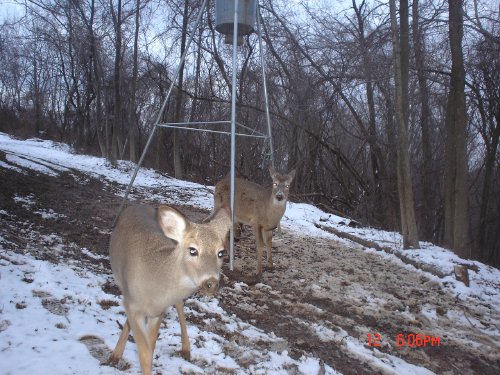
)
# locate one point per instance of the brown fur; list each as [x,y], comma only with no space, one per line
[159,258]
[261,208]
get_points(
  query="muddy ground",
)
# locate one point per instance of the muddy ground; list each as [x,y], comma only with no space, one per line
[319,292]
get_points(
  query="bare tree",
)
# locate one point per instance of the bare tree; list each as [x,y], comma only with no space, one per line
[428,176]
[485,96]
[178,102]
[376,159]
[132,116]
[117,123]
[455,170]
[400,39]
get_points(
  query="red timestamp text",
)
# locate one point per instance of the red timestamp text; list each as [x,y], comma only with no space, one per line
[412,340]
[417,340]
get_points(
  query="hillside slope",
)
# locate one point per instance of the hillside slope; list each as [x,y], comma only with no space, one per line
[329,306]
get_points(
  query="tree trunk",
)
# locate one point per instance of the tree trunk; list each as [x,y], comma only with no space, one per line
[392,217]
[96,80]
[377,162]
[455,174]
[491,152]
[37,97]
[178,103]
[117,118]
[132,110]
[194,102]
[408,223]
[429,202]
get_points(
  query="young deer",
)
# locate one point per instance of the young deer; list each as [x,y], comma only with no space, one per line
[261,208]
[159,258]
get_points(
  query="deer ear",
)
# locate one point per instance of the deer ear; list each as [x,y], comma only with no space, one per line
[172,223]
[222,221]
[291,175]
[272,171]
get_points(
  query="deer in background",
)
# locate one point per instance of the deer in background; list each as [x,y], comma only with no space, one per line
[260,207]
[159,258]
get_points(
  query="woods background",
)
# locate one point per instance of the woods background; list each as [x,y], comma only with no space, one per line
[389,111]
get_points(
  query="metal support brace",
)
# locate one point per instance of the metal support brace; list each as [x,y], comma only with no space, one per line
[189,126]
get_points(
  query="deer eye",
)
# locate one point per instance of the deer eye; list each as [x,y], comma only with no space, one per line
[287,186]
[222,253]
[193,252]
[275,184]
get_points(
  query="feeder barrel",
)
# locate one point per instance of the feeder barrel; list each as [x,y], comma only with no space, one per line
[224,16]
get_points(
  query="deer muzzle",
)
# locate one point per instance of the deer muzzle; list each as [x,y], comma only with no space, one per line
[210,286]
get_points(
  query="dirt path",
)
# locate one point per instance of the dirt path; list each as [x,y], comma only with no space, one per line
[342,291]
[323,298]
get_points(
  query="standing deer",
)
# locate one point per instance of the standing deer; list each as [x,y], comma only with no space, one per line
[159,258]
[260,207]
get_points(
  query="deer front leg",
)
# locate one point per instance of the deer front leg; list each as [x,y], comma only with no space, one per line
[154,327]
[186,350]
[260,244]
[120,345]
[139,328]
[268,238]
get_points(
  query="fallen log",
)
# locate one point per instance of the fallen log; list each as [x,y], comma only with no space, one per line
[370,244]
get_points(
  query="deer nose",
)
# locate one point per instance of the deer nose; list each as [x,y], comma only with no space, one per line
[279,196]
[210,286]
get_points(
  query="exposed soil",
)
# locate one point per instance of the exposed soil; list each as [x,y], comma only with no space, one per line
[319,292]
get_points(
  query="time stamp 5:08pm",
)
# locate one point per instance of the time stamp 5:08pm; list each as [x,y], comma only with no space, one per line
[412,340]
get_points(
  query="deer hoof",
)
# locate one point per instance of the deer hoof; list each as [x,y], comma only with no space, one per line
[186,354]
[112,360]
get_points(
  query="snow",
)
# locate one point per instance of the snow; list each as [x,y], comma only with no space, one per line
[30,341]
[45,308]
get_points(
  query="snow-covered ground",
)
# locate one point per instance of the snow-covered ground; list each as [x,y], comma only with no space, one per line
[50,311]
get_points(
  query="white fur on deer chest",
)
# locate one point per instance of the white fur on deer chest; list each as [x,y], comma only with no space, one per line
[153,295]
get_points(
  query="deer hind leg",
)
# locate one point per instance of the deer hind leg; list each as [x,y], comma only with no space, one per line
[140,331]
[268,238]
[186,350]
[120,345]
[260,244]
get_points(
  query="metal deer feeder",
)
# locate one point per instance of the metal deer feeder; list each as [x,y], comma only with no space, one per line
[224,19]
[234,19]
